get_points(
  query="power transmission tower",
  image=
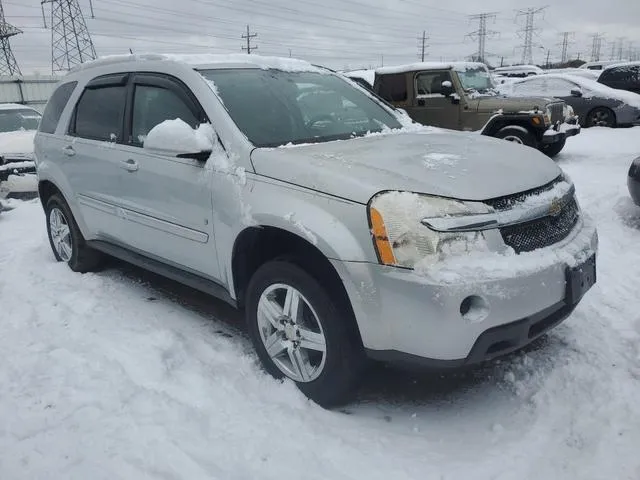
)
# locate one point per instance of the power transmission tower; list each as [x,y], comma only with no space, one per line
[422,45]
[596,47]
[527,32]
[621,41]
[482,34]
[248,37]
[8,64]
[71,42]
[614,45]
[566,41]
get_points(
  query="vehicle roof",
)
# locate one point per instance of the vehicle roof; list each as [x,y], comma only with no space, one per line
[15,106]
[622,64]
[600,62]
[413,67]
[204,61]
[511,68]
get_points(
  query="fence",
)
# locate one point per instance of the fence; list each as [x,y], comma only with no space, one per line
[31,90]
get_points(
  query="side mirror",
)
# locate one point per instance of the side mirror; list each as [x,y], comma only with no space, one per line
[576,92]
[447,88]
[177,139]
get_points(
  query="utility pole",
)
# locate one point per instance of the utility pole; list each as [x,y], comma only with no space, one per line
[71,42]
[8,64]
[548,55]
[566,41]
[248,37]
[596,47]
[527,32]
[630,51]
[423,44]
[621,41]
[612,56]
[482,34]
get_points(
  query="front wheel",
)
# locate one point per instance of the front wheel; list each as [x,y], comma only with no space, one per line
[519,135]
[601,117]
[553,149]
[300,332]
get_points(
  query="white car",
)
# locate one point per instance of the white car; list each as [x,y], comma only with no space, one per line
[18,125]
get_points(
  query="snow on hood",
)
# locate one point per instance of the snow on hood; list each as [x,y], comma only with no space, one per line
[20,141]
[450,164]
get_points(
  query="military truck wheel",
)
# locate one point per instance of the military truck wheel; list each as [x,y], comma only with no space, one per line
[518,134]
[553,149]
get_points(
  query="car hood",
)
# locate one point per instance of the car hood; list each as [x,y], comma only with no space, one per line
[460,165]
[511,104]
[19,142]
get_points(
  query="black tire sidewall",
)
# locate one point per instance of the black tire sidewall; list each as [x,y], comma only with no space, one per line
[527,137]
[337,380]
[553,149]
[612,120]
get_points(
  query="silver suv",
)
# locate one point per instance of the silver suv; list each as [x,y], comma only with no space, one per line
[343,231]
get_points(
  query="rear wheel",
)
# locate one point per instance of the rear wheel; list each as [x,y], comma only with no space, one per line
[601,117]
[300,332]
[553,149]
[65,238]
[517,134]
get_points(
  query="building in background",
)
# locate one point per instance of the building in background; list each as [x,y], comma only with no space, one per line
[31,90]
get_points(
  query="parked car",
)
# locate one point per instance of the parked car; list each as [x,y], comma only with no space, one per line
[398,243]
[462,96]
[18,125]
[599,65]
[633,181]
[624,76]
[518,71]
[576,72]
[594,103]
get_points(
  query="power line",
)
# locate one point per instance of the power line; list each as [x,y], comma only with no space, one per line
[481,34]
[527,32]
[8,64]
[71,42]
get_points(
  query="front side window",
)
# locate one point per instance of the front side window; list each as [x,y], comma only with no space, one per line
[430,83]
[100,112]
[274,107]
[18,119]
[535,87]
[557,87]
[55,106]
[153,105]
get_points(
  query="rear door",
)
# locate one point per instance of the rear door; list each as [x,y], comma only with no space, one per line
[92,154]
[167,200]
[429,105]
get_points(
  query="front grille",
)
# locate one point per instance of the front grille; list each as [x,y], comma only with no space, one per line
[540,233]
[505,203]
[557,113]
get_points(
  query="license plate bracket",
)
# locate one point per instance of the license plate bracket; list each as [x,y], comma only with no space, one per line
[580,279]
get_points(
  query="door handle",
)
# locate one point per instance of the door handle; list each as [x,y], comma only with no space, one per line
[69,151]
[129,165]
[421,102]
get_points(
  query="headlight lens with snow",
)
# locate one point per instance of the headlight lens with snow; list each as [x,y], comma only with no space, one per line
[568,112]
[400,237]
[547,116]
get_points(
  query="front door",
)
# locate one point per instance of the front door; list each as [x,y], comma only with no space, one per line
[167,199]
[429,104]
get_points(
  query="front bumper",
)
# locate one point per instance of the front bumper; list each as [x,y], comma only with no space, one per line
[633,181]
[560,132]
[403,316]
[17,178]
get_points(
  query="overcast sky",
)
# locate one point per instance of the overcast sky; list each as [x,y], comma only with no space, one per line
[336,33]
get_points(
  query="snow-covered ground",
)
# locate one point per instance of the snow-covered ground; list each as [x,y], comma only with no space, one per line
[123,375]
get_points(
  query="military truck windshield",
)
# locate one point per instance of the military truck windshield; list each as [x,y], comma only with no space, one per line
[274,107]
[476,80]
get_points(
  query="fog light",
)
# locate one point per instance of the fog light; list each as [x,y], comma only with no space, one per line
[474,309]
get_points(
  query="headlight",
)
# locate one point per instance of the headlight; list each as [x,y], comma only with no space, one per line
[568,111]
[402,239]
[547,116]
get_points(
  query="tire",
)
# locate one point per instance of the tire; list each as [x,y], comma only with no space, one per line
[328,378]
[553,149]
[601,117]
[65,238]
[519,135]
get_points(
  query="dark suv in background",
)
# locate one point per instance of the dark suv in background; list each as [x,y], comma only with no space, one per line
[622,76]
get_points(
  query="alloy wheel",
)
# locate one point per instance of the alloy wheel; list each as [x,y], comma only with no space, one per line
[60,234]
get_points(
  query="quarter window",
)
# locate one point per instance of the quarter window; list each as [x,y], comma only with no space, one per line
[393,88]
[153,105]
[100,112]
[55,106]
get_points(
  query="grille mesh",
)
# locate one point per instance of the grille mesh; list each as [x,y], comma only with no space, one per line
[557,113]
[542,232]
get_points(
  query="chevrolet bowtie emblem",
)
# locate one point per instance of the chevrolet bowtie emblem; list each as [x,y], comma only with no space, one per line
[555,208]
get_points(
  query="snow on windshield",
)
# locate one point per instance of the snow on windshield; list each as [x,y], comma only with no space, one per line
[476,79]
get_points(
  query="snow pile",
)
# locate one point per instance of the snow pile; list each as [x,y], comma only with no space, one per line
[368,76]
[177,136]
[437,160]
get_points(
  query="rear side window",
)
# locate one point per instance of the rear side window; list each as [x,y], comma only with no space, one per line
[99,113]
[620,75]
[393,88]
[55,106]
[153,105]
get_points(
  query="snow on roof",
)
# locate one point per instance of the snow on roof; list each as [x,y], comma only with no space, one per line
[366,75]
[209,60]
[519,68]
[599,63]
[622,64]
[596,88]
[413,67]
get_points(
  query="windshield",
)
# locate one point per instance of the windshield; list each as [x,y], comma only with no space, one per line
[19,119]
[476,80]
[274,107]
